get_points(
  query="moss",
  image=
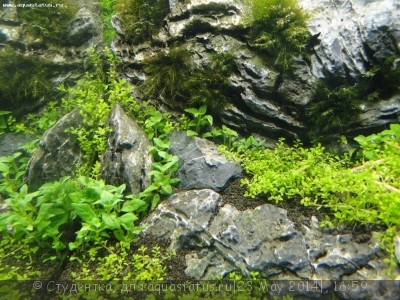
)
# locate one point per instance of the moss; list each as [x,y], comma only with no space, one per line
[50,23]
[332,109]
[141,19]
[23,79]
[278,29]
[174,77]
[382,80]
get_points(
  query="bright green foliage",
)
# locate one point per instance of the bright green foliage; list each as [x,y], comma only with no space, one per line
[118,263]
[278,28]
[48,216]
[141,19]
[12,250]
[366,192]
[332,109]
[49,23]
[23,79]
[6,121]
[199,121]
[174,77]
[107,10]
[95,95]
[12,169]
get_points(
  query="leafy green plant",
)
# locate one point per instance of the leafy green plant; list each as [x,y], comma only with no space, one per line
[278,28]
[49,216]
[12,169]
[141,19]
[6,120]
[199,121]
[381,81]
[95,95]
[107,10]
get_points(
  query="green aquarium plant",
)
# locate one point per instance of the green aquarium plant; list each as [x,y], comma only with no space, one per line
[24,79]
[333,109]
[173,76]
[278,28]
[107,10]
[50,22]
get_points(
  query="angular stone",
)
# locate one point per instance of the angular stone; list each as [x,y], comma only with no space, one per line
[201,166]
[127,158]
[58,153]
[184,218]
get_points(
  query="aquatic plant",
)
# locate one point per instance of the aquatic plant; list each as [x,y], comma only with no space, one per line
[141,19]
[173,76]
[332,109]
[49,21]
[23,79]
[278,29]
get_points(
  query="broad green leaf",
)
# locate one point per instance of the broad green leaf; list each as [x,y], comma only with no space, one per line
[127,220]
[110,221]
[133,205]
[85,212]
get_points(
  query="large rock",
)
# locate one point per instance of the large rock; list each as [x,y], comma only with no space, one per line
[219,239]
[201,166]
[353,35]
[58,153]
[63,60]
[184,218]
[349,38]
[127,158]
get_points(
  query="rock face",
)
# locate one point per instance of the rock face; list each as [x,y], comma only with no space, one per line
[353,34]
[61,60]
[127,158]
[349,37]
[220,239]
[58,153]
[201,166]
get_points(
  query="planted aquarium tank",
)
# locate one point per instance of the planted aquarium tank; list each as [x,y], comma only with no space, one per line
[235,149]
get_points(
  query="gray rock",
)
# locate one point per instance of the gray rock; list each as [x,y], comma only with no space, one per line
[11,142]
[223,239]
[58,153]
[65,64]
[201,166]
[84,27]
[396,242]
[127,158]
[350,36]
[203,15]
[183,218]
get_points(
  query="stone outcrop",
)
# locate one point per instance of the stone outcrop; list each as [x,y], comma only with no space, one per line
[348,39]
[127,158]
[63,60]
[200,164]
[58,153]
[219,239]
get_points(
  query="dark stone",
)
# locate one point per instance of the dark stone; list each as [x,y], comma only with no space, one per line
[201,166]
[58,153]
[127,158]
